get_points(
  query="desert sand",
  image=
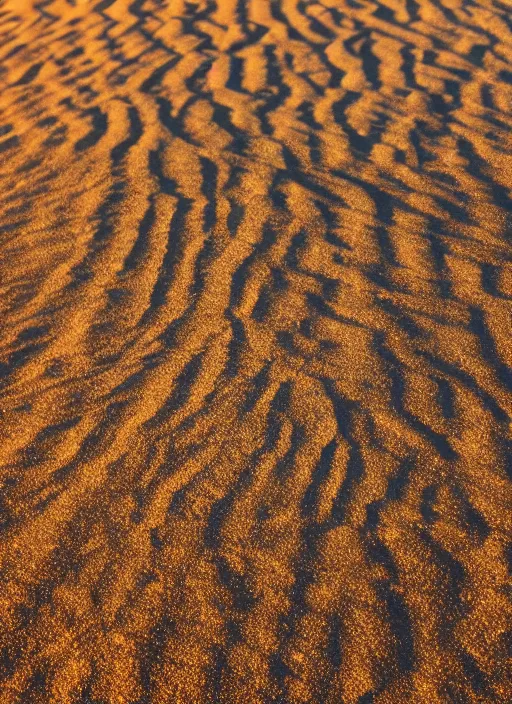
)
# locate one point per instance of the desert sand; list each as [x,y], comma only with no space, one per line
[255,381]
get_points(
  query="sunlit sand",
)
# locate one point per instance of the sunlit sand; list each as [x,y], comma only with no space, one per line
[255,382]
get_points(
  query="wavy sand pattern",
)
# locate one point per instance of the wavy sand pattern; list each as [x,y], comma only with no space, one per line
[256,299]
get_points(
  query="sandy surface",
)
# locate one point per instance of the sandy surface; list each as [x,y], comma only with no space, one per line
[255,293]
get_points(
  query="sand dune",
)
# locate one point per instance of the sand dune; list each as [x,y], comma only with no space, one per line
[255,381]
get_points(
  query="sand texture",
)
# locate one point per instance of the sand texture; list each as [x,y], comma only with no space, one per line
[255,381]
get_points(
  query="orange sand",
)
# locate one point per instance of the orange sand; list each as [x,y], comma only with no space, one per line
[256,314]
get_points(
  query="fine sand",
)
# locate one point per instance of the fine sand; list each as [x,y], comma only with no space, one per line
[256,305]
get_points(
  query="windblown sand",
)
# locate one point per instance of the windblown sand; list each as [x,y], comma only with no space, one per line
[256,304]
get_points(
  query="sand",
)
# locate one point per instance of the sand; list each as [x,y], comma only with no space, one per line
[255,381]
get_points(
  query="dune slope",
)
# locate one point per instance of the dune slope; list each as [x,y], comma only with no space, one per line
[255,362]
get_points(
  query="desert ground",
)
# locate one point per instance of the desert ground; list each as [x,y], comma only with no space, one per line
[255,352]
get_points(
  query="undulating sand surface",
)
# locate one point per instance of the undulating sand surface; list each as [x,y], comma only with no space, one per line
[255,393]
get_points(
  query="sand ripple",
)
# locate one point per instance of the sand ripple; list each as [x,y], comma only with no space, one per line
[255,381]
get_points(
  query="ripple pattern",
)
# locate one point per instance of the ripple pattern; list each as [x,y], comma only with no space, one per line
[255,362]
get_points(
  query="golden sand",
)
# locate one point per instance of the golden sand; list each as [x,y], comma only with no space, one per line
[256,304]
